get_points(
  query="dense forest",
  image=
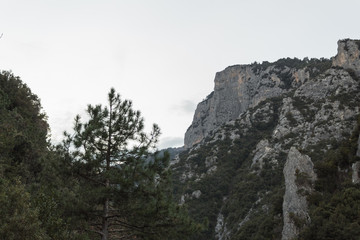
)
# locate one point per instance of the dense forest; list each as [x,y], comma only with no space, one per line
[94,185]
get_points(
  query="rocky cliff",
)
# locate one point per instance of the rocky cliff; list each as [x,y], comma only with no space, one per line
[236,89]
[270,137]
[299,178]
[240,87]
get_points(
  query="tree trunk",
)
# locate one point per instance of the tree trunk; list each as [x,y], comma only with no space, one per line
[105,220]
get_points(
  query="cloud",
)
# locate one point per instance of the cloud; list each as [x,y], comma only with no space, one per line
[167,142]
[185,106]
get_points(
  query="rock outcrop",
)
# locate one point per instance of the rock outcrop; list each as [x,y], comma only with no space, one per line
[348,55]
[299,177]
[358,148]
[238,88]
[356,166]
[355,172]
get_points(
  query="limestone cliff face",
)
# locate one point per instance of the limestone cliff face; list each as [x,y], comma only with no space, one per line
[348,56]
[236,89]
[358,150]
[356,166]
[299,176]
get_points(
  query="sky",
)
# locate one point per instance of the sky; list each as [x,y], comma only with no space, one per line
[161,54]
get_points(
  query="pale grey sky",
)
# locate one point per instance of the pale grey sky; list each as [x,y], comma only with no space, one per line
[163,55]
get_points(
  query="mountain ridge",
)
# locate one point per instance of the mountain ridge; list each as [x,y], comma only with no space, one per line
[247,85]
[259,120]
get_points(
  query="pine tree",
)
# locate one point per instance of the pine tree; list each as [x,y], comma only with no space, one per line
[126,192]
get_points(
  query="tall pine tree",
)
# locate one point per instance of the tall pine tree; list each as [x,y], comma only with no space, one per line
[125,192]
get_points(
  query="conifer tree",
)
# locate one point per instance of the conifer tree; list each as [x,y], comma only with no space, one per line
[127,193]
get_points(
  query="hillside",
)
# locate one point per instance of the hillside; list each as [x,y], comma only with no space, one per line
[274,151]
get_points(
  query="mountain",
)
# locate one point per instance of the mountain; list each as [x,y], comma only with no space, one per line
[274,151]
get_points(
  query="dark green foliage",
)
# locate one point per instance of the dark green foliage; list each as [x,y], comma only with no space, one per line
[345,99]
[18,218]
[213,190]
[313,66]
[264,223]
[285,68]
[266,121]
[291,119]
[299,222]
[353,74]
[23,129]
[303,105]
[24,155]
[52,193]
[287,79]
[302,179]
[335,216]
[335,205]
[233,189]
[124,193]
[357,42]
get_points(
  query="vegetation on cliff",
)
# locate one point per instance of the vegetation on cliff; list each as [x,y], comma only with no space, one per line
[335,203]
[233,177]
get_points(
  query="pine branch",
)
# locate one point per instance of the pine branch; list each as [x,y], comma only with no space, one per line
[137,228]
[90,179]
[95,231]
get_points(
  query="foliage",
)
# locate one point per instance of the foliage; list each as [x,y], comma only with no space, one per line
[302,179]
[353,74]
[335,205]
[291,119]
[45,192]
[287,79]
[126,194]
[335,216]
[24,154]
[304,106]
[313,66]
[233,189]
[23,129]
[18,218]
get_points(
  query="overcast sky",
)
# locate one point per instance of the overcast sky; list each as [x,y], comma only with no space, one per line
[163,55]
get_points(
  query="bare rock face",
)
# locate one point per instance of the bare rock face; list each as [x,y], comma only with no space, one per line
[358,148]
[299,176]
[261,152]
[348,55]
[355,172]
[356,166]
[237,89]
